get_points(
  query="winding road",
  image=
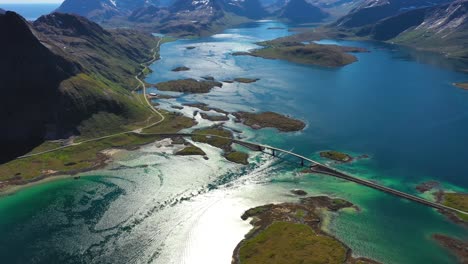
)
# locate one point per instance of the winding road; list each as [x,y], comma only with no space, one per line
[315,166]
[137,131]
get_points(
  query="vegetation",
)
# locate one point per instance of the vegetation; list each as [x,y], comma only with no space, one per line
[284,242]
[458,201]
[68,160]
[188,86]
[203,136]
[245,80]
[173,123]
[290,233]
[238,157]
[335,155]
[214,117]
[313,54]
[191,150]
[270,119]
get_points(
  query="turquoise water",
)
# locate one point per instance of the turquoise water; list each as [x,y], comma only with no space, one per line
[396,105]
[30,11]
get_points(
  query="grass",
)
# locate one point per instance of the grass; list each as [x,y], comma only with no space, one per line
[238,157]
[172,123]
[300,214]
[222,143]
[191,151]
[270,119]
[335,155]
[458,201]
[291,243]
[312,54]
[70,159]
[188,86]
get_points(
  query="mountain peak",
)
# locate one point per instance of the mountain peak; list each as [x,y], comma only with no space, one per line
[300,11]
[68,25]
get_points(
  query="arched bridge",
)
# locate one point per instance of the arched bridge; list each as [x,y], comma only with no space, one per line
[321,168]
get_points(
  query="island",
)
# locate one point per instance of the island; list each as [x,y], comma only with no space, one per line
[181,68]
[188,86]
[191,150]
[205,107]
[291,233]
[458,201]
[336,156]
[214,117]
[269,119]
[312,54]
[245,80]
[456,246]
[190,47]
[427,186]
[219,137]
[463,85]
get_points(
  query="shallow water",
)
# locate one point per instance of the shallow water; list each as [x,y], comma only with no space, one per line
[395,105]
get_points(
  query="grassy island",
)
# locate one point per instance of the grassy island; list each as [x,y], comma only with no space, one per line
[270,119]
[191,150]
[188,86]
[458,201]
[245,80]
[335,155]
[237,157]
[214,117]
[312,54]
[290,233]
[204,136]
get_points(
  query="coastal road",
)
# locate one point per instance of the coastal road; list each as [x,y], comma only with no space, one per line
[137,131]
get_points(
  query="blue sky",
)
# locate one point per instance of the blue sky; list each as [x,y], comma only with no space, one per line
[29,1]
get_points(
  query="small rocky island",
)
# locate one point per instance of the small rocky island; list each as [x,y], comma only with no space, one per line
[269,119]
[219,137]
[188,86]
[312,54]
[457,247]
[181,68]
[291,233]
[336,156]
[463,85]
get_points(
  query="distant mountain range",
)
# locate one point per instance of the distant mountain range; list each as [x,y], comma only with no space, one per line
[61,71]
[439,25]
[197,17]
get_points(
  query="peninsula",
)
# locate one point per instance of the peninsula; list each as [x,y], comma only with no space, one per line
[291,233]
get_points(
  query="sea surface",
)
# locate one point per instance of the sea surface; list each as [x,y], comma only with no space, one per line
[395,105]
[30,12]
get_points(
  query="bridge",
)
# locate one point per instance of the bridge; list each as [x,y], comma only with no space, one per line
[321,168]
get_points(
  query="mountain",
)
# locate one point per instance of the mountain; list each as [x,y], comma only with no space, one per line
[371,11]
[443,27]
[300,11]
[60,72]
[2,11]
[247,8]
[99,10]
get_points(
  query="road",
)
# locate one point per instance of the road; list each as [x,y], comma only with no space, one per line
[321,168]
[137,131]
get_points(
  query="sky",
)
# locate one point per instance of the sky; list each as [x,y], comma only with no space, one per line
[29,1]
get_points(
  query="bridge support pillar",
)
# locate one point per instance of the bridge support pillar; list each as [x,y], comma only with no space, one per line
[274,154]
[302,162]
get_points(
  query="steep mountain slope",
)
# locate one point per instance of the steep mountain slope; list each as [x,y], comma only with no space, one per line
[300,11]
[2,11]
[443,28]
[371,11]
[99,10]
[246,8]
[61,71]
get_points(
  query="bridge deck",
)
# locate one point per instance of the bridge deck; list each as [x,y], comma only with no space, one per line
[318,167]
